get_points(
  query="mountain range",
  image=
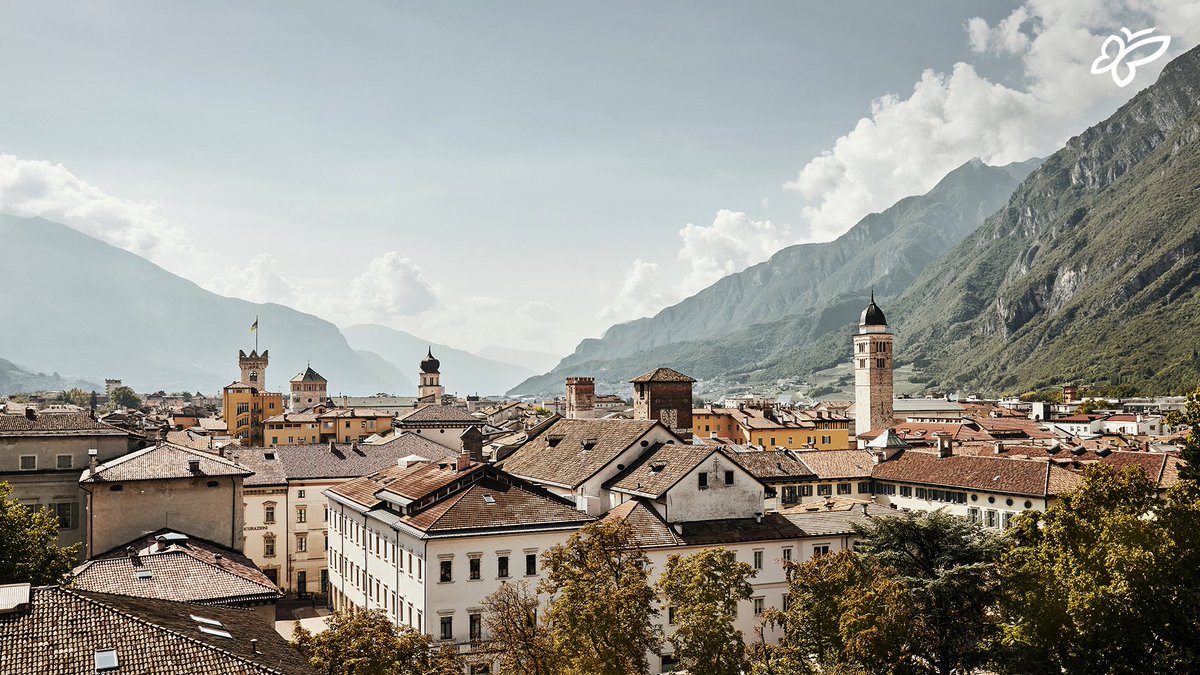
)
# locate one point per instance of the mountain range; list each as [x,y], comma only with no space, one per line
[1086,272]
[74,304]
[745,321]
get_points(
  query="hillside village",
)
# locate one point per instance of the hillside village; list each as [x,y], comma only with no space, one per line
[289,505]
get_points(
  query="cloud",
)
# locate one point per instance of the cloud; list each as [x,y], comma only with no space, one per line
[731,244]
[259,281]
[906,145]
[642,293]
[40,188]
[390,287]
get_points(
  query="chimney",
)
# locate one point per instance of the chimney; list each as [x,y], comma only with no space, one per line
[471,440]
[864,508]
[160,544]
[332,448]
[463,463]
[945,444]
[92,452]
[998,448]
[194,465]
[758,517]
[254,645]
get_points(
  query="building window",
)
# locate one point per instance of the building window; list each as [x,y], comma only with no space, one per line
[447,628]
[787,553]
[789,494]
[862,363]
[301,514]
[473,569]
[530,564]
[476,625]
[729,478]
[973,514]
[806,490]
[669,664]
[758,560]
[920,493]
[758,606]
[66,515]
[670,616]
[827,439]
[825,490]
[274,440]
[269,545]
[820,550]
[301,543]
[787,602]
[905,490]
[702,477]
[844,488]
[502,567]
[1007,519]
[29,462]
[864,488]
[991,518]
[64,461]
[445,573]
[300,494]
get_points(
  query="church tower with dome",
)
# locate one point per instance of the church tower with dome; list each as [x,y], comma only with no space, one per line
[431,378]
[872,371]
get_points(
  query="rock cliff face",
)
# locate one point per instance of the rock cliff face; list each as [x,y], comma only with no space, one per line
[1089,272]
[733,326]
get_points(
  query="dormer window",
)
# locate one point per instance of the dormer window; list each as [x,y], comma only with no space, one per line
[553,440]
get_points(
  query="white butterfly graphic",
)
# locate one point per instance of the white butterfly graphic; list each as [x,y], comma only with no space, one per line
[1107,63]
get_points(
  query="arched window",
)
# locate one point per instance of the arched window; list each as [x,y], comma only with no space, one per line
[254,376]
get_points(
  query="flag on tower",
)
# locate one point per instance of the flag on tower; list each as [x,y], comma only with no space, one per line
[254,326]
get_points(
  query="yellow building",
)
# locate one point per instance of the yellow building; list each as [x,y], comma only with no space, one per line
[347,425]
[292,429]
[773,427]
[246,404]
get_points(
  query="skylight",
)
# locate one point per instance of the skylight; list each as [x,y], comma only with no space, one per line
[488,499]
[204,620]
[106,660]
[145,575]
[216,631]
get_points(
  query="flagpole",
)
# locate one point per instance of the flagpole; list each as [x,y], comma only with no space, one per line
[256,332]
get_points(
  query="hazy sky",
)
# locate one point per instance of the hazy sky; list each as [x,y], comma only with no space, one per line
[521,174]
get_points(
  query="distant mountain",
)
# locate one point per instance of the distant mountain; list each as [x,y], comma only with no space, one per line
[538,362]
[79,305]
[17,380]
[462,372]
[1090,274]
[737,328]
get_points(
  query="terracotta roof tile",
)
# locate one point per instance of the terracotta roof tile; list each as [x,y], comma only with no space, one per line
[561,455]
[56,424]
[660,467]
[163,461]
[827,464]
[1027,477]
[438,413]
[663,375]
[773,465]
[63,628]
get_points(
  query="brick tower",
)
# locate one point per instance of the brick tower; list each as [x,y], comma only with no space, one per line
[872,371]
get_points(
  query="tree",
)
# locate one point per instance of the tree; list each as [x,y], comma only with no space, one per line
[124,397]
[601,605]
[75,396]
[29,551]
[1190,417]
[360,642]
[703,591]
[1107,580]
[949,568]
[1089,406]
[846,614]
[520,639]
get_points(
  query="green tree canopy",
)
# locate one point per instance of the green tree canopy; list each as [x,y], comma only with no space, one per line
[601,605]
[76,396]
[704,590]
[949,567]
[29,550]
[361,642]
[1106,581]
[124,397]
[519,638]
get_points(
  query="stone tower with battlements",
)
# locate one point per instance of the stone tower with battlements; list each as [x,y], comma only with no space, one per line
[254,368]
[872,371]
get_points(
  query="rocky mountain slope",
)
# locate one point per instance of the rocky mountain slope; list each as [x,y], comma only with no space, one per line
[738,327]
[15,379]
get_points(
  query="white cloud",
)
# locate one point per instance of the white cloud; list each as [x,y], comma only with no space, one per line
[390,287]
[642,293]
[259,281]
[39,188]
[906,145]
[731,244]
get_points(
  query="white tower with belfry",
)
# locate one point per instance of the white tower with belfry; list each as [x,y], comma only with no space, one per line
[872,371]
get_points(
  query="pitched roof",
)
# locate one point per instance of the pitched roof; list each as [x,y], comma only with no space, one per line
[160,462]
[772,465]
[840,519]
[186,569]
[830,464]
[309,375]
[650,530]
[418,445]
[63,629]
[570,451]
[438,413]
[56,424]
[663,375]
[317,460]
[661,467]
[1005,475]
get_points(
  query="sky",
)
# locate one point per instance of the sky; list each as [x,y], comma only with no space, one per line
[523,174]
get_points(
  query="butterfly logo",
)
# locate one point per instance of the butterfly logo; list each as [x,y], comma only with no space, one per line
[1113,63]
